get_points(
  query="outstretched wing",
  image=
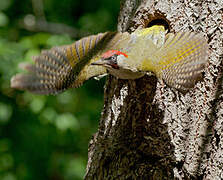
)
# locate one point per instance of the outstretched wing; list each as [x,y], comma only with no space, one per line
[181,60]
[60,68]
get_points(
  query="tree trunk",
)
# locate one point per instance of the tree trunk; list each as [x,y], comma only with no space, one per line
[151,131]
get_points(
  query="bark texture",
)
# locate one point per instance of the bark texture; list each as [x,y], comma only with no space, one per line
[150,131]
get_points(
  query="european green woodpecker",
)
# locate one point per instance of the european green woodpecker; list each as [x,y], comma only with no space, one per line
[178,59]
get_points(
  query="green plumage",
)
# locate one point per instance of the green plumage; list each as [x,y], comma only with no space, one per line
[60,68]
[178,59]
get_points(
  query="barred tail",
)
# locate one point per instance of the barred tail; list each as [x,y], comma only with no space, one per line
[63,67]
[182,59]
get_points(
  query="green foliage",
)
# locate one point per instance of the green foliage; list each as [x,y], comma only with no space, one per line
[46,137]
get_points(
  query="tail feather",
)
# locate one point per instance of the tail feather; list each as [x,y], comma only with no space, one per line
[181,60]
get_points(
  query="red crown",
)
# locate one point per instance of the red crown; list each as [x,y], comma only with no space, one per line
[112,52]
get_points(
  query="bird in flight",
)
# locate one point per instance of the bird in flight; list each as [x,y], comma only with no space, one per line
[177,58]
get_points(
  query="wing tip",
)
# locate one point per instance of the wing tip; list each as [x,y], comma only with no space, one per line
[15,81]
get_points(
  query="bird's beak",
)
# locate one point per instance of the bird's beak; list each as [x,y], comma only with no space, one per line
[105,63]
[99,62]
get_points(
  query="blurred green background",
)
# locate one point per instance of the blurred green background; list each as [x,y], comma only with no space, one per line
[46,137]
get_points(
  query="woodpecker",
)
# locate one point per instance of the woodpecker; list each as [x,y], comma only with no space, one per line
[177,58]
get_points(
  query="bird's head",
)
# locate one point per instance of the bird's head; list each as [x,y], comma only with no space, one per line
[116,62]
[112,59]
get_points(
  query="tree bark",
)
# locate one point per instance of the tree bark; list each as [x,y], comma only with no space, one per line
[151,131]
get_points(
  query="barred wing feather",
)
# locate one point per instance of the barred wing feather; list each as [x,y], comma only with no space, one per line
[60,68]
[182,59]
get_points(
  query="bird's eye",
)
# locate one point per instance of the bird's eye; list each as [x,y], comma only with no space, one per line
[113,58]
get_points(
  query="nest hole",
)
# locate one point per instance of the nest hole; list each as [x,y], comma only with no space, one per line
[163,22]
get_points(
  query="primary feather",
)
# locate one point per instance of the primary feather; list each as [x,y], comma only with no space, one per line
[181,60]
[60,68]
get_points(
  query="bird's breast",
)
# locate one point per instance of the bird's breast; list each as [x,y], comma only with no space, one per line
[125,73]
